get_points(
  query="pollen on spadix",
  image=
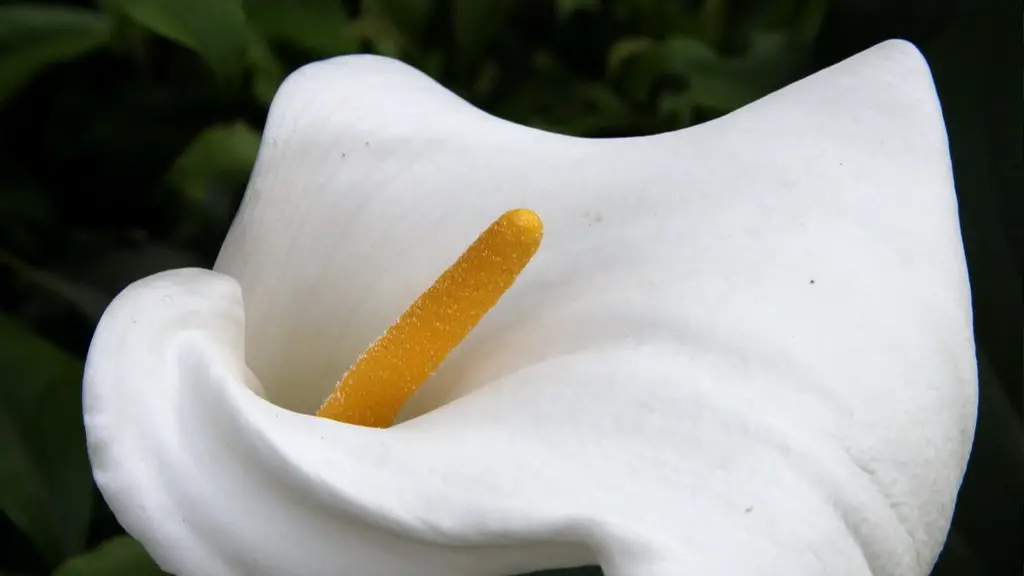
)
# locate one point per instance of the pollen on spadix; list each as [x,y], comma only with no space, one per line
[390,371]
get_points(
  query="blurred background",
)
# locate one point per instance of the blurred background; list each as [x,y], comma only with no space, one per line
[128,129]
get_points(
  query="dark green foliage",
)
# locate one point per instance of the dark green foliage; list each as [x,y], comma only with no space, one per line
[128,129]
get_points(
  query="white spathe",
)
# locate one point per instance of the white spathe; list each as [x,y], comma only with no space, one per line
[743,348]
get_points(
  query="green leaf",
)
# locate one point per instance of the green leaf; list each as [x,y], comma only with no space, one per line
[267,70]
[808,20]
[115,557]
[475,24]
[111,271]
[410,17]
[45,481]
[84,298]
[624,49]
[223,154]
[214,29]
[565,9]
[701,77]
[33,37]
[724,84]
[377,30]
[314,25]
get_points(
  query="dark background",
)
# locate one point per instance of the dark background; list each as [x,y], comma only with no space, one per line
[128,129]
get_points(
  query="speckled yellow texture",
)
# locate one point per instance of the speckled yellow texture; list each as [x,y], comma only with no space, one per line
[397,364]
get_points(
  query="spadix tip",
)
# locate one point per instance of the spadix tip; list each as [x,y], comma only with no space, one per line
[526,220]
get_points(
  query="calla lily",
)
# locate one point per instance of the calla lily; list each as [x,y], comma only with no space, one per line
[742,348]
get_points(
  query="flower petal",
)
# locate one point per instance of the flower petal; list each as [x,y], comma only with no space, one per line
[744,348]
[213,479]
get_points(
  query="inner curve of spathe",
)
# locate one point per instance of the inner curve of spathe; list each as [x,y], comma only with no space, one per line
[386,375]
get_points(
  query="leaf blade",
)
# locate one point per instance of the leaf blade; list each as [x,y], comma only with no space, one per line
[317,26]
[45,476]
[35,37]
[114,557]
[214,29]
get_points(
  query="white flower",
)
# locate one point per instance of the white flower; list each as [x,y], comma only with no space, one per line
[743,348]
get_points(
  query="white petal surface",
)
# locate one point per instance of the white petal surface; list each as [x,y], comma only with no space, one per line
[744,348]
